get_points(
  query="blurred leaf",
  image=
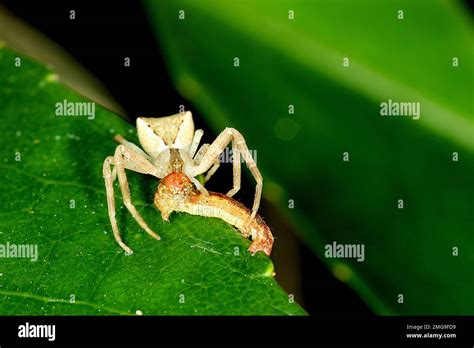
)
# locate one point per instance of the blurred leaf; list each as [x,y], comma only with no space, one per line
[28,41]
[53,196]
[299,62]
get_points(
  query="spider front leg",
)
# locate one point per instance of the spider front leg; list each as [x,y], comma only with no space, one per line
[125,157]
[198,158]
[109,178]
[239,147]
[196,139]
[236,167]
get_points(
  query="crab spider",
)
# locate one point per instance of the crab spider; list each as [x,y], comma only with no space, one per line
[170,144]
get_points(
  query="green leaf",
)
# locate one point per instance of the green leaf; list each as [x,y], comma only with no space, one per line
[53,196]
[299,62]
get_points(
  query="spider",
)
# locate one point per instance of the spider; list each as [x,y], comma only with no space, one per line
[170,144]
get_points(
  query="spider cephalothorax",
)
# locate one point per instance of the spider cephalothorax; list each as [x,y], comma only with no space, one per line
[170,144]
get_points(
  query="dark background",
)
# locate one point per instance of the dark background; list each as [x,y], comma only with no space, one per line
[99,38]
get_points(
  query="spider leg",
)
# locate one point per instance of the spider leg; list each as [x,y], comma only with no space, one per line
[236,170]
[200,154]
[125,158]
[238,142]
[199,186]
[196,139]
[132,146]
[109,178]
[211,171]
[252,166]
[198,158]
